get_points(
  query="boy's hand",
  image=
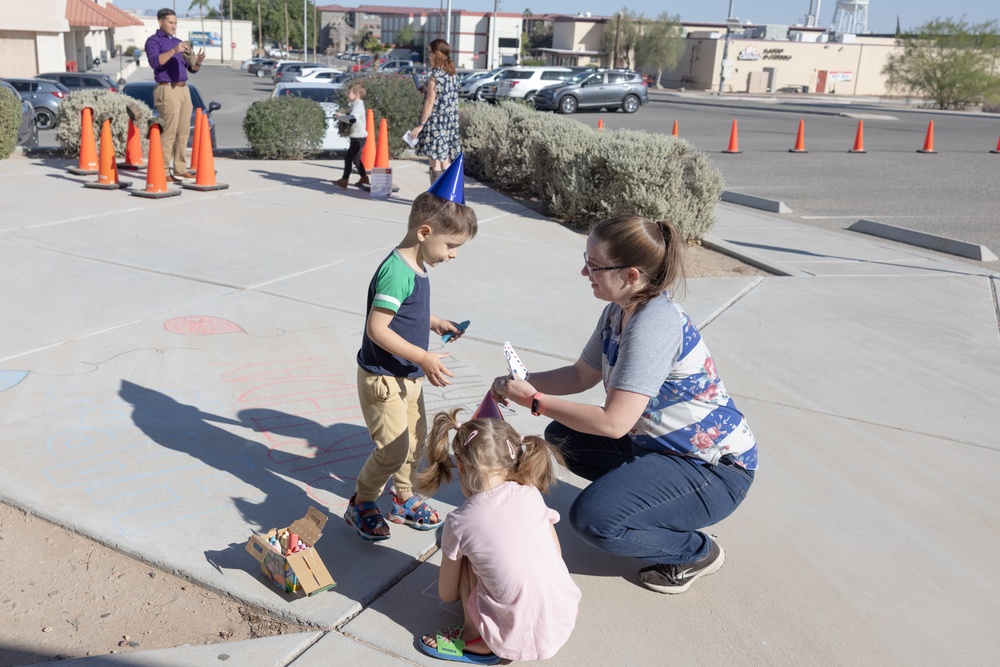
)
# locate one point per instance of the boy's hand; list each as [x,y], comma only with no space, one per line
[436,372]
[442,327]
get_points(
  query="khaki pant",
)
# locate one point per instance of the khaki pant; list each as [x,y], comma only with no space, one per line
[394,412]
[174,106]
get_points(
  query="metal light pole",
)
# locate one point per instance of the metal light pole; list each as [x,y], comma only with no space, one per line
[447,28]
[725,48]
[305,30]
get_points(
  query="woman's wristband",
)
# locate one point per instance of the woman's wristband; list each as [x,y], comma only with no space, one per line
[536,404]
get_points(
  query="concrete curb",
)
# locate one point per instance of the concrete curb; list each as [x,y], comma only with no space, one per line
[924,240]
[740,199]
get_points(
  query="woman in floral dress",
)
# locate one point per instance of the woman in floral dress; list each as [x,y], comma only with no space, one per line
[438,128]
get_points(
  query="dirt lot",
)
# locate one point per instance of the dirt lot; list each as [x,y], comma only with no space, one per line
[66,596]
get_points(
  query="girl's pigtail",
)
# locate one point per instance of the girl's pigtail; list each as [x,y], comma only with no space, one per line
[537,464]
[437,467]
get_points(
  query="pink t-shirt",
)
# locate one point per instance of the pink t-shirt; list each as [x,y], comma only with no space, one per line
[525,603]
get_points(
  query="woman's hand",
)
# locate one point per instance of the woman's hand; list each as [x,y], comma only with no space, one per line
[415,132]
[507,388]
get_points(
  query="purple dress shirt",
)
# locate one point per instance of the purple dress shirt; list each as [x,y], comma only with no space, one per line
[174,70]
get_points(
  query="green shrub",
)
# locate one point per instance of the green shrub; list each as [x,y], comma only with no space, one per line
[10,122]
[284,128]
[101,101]
[394,98]
[581,175]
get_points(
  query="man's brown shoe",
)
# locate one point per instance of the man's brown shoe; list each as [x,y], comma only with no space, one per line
[363,181]
[186,175]
[342,183]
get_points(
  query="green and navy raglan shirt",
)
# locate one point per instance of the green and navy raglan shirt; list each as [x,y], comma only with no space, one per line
[407,293]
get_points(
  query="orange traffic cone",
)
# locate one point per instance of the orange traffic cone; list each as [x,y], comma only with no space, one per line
[929,140]
[800,139]
[859,139]
[998,147]
[156,173]
[205,180]
[368,151]
[195,143]
[382,146]
[133,149]
[88,149]
[674,132]
[107,174]
[600,123]
[734,140]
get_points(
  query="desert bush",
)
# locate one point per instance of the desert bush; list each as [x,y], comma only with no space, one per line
[581,175]
[101,101]
[10,122]
[394,98]
[284,128]
[991,105]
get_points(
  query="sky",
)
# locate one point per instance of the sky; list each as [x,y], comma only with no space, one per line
[881,13]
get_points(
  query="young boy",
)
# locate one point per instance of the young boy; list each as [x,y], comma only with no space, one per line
[394,357]
[359,132]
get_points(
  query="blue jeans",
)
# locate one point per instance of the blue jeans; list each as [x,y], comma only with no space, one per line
[645,504]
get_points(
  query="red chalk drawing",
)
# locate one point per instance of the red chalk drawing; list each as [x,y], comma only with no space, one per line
[200,325]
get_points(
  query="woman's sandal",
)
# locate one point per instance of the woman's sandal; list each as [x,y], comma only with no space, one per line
[449,646]
[421,517]
[365,525]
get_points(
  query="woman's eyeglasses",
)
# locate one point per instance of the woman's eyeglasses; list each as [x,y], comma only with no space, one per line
[591,269]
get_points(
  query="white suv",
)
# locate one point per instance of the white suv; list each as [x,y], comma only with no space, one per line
[526,81]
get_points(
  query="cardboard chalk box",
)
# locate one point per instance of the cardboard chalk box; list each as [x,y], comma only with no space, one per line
[299,570]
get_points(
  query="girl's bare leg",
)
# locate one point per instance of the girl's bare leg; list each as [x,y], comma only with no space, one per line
[466,582]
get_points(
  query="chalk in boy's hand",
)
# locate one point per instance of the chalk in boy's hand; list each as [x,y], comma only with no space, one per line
[461,330]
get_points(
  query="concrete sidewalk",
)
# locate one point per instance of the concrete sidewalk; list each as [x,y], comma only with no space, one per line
[175,375]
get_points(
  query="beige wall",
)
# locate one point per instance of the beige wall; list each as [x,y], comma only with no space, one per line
[31,41]
[577,35]
[851,69]
[17,53]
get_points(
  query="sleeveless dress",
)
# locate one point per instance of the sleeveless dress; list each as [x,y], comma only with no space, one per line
[439,137]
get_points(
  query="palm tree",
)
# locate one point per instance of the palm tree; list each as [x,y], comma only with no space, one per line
[202,5]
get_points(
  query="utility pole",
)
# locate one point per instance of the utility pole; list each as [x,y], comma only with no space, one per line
[260,32]
[222,35]
[232,50]
[447,28]
[491,49]
[285,47]
[725,48]
[305,30]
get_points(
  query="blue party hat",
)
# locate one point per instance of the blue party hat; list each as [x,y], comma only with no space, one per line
[451,184]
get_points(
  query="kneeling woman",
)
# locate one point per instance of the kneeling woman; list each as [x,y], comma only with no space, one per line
[668,453]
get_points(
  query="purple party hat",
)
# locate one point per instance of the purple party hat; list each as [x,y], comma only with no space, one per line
[451,184]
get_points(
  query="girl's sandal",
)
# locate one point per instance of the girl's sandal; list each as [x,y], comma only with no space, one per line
[414,512]
[365,525]
[449,646]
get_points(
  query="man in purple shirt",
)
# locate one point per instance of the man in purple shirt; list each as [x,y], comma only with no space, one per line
[171,60]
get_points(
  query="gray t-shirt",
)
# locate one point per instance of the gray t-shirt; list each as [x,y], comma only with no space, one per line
[643,355]
[661,354]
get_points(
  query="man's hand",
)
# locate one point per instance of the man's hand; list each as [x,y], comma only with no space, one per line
[199,58]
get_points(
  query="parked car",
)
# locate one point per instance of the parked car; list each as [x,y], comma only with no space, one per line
[45,97]
[326,95]
[595,89]
[277,52]
[27,131]
[143,91]
[318,75]
[417,72]
[390,66]
[262,68]
[488,93]
[286,71]
[245,65]
[80,80]
[472,85]
[525,82]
